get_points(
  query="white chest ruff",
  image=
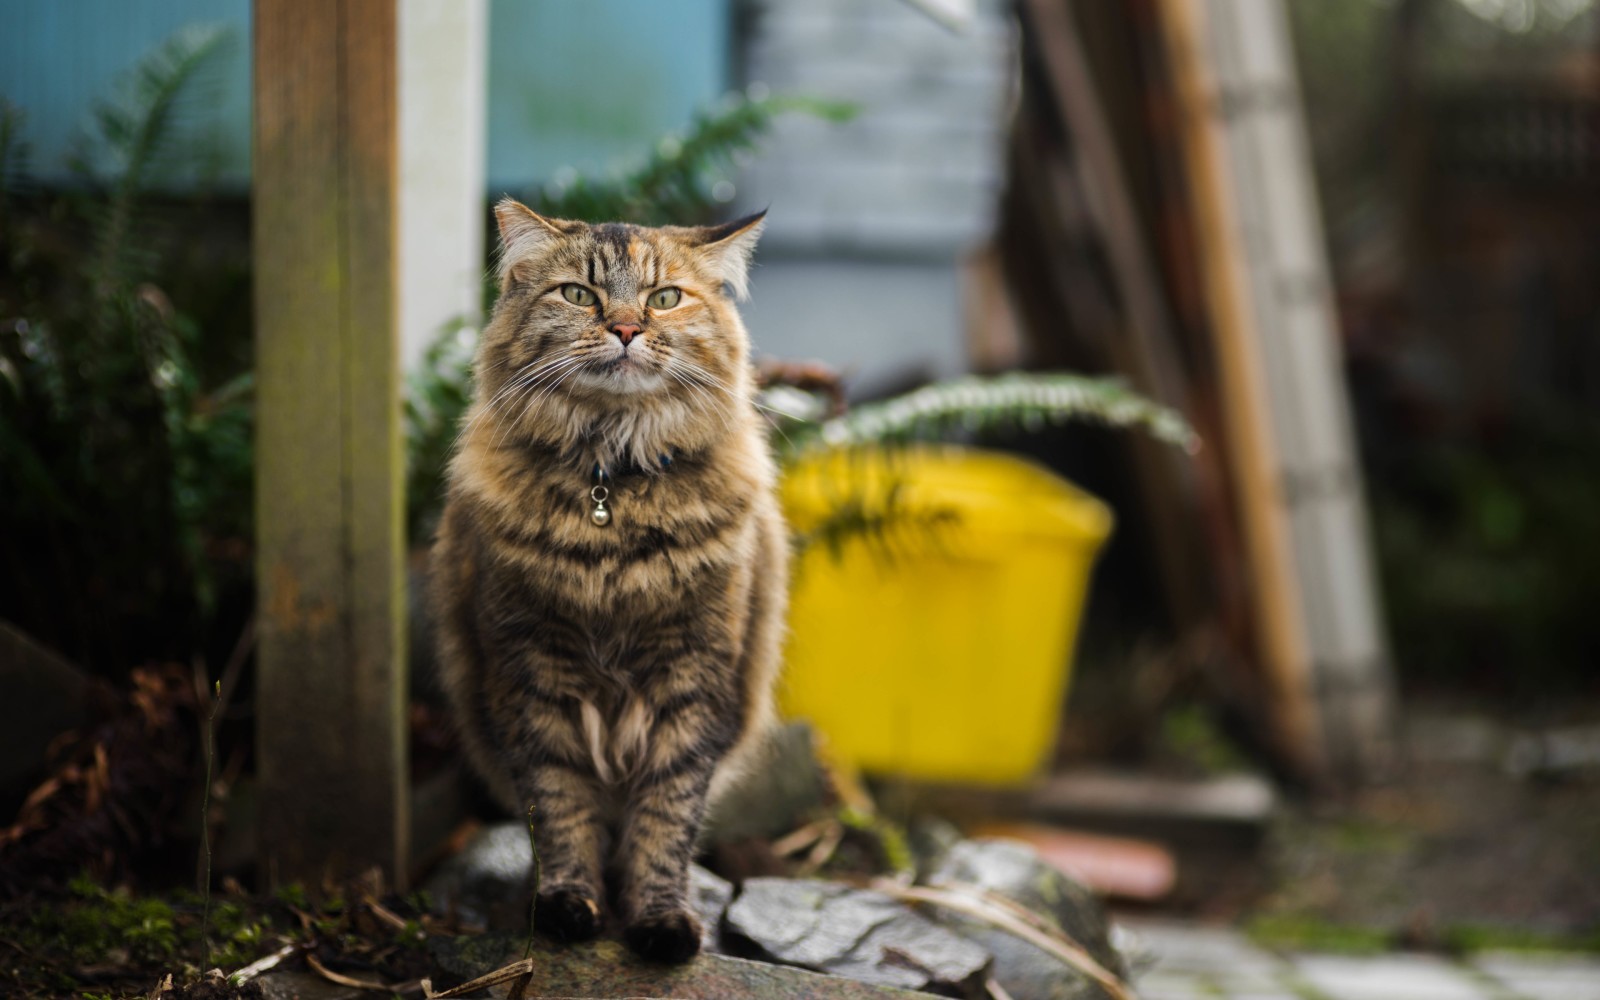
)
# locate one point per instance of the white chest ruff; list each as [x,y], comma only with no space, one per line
[616,750]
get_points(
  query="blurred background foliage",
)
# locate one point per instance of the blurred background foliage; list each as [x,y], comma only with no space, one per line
[125,353]
[1446,134]
[124,399]
[125,371]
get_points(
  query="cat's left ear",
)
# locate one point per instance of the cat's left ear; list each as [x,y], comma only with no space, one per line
[729,248]
[524,235]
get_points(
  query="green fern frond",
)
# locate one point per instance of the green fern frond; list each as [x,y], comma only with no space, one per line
[881,517]
[437,394]
[675,183]
[975,404]
[128,136]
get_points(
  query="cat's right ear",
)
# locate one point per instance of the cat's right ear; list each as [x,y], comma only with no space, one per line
[524,235]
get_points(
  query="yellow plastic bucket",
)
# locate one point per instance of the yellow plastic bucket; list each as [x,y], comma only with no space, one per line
[936,644]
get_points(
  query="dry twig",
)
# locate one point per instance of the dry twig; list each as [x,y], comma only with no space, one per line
[261,965]
[360,984]
[980,904]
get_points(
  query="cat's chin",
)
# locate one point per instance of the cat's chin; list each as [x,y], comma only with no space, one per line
[623,377]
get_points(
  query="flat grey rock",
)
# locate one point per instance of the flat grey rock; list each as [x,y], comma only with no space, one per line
[1013,870]
[709,896]
[784,789]
[488,884]
[857,933]
[306,986]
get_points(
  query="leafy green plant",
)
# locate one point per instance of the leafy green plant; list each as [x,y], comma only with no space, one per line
[128,461]
[976,404]
[437,394]
[969,407]
[677,183]
[1489,556]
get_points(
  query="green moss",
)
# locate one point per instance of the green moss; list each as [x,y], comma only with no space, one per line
[1357,836]
[1189,732]
[102,920]
[1471,938]
[1304,933]
[96,926]
[891,839]
[294,894]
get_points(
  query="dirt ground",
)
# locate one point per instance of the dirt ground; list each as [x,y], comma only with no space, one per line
[1479,841]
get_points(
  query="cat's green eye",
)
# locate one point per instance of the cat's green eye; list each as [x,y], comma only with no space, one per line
[577,295]
[665,298]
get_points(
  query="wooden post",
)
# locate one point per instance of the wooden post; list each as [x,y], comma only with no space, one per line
[1253,99]
[1247,409]
[331,677]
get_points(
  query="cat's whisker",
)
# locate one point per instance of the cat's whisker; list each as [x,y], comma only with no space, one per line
[553,374]
[704,377]
[528,376]
[557,378]
[698,374]
[521,384]
[528,372]
[684,381]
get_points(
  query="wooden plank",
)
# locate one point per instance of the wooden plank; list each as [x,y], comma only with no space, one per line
[1291,296]
[330,679]
[1248,417]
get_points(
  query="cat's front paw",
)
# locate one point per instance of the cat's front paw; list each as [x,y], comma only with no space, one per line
[565,914]
[673,936]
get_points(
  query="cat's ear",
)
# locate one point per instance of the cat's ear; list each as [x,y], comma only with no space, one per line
[524,234]
[729,248]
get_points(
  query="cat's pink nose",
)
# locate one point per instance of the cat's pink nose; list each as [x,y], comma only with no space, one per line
[626,332]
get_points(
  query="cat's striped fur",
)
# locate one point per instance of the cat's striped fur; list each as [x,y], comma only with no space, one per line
[613,676]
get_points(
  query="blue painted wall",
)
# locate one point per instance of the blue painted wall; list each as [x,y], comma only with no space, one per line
[589,83]
[57,59]
[582,83]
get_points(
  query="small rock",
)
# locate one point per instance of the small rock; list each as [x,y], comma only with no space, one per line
[1014,870]
[489,882]
[856,933]
[306,986]
[931,839]
[784,790]
[709,897]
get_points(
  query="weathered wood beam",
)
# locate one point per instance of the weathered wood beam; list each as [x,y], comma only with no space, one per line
[329,501]
[1247,407]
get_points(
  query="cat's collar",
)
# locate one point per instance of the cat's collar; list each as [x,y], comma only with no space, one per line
[603,475]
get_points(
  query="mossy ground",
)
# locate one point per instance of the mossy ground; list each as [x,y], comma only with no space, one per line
[111,943]
[1459,858]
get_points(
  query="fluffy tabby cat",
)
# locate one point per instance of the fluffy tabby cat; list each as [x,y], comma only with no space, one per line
[610,568]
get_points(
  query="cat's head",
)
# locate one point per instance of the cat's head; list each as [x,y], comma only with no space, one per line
[613,316]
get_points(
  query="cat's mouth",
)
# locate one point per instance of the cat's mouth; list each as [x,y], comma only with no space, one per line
[625,371]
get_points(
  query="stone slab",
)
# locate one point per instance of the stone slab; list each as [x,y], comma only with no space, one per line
[1389,977]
